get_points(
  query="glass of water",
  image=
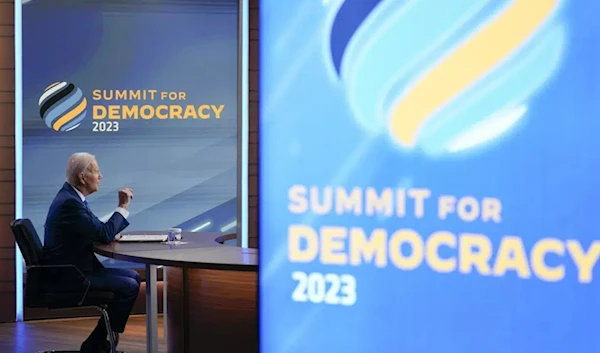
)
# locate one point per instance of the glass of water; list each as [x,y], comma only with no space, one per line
[174,235]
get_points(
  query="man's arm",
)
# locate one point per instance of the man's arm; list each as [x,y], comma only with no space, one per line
[75,215]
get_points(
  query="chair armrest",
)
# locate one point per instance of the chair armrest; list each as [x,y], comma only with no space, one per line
[58,279]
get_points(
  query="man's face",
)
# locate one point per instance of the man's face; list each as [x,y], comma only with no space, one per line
[92,178]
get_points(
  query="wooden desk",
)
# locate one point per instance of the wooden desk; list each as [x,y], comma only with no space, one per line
[212,292]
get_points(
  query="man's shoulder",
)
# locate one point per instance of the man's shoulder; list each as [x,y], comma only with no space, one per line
[64,198]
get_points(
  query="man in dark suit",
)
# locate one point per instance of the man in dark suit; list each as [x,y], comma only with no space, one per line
[70,230]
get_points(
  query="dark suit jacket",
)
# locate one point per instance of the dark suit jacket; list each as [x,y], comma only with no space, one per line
[71,229]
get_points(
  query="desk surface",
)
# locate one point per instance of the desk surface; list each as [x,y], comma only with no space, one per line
[197,250]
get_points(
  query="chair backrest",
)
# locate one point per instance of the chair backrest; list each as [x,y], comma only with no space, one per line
[28,241]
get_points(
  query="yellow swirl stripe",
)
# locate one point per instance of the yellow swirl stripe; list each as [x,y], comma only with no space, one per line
[468,62]
[70,115]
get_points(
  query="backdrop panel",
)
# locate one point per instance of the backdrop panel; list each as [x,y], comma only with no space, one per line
[428,176]
[150,88]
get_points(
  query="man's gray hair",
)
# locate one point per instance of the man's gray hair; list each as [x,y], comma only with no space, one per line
[79,162]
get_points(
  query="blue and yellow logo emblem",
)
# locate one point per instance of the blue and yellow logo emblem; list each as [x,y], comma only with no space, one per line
[62,106]
[444,76]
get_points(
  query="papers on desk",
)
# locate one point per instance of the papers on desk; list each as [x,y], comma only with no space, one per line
[176,242]
[142,238]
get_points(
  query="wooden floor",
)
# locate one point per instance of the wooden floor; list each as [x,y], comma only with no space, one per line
[67,334]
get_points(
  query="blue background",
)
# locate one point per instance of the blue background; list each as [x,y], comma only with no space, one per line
[545,172]
[183,173]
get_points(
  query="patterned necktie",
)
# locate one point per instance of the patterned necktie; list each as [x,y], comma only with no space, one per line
[87,207]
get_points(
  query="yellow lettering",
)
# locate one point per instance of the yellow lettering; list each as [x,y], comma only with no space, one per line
[113,112]
[190,112]
[218,110]
[415,242]
[146,112]
[298,203]
[445,206]
[161,112]
[475,250]
[468,209]
[511,256]
[378,203]
[123,95]
[201,110]
[321,208]
[400,203]
[120,95]
[298,234]
[130,111]
[99,112]
[135,94]
[368,249]
[442,251]
[538,259]
[348,202]
[584,261]
[491,209]
[176,111]
[435,241]
[333,246]
[419,195]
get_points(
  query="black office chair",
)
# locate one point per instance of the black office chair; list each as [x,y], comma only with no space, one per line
[56,286]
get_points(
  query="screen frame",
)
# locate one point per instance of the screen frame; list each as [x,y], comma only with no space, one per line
[242,141]
[18,154]
[242,125]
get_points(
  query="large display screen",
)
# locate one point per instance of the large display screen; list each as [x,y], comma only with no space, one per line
[151,89]
[428,176]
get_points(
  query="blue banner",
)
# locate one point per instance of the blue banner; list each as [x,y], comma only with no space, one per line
[428,175]
[150,88]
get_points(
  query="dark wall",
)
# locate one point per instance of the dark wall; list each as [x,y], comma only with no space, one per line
[253,127]
[7,160]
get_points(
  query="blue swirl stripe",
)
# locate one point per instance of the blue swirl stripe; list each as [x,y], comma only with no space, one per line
[63,106]
[349,17]
[379,49]
[51,91]
[74,123]
[393,46]
[513,84]
[434,49]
